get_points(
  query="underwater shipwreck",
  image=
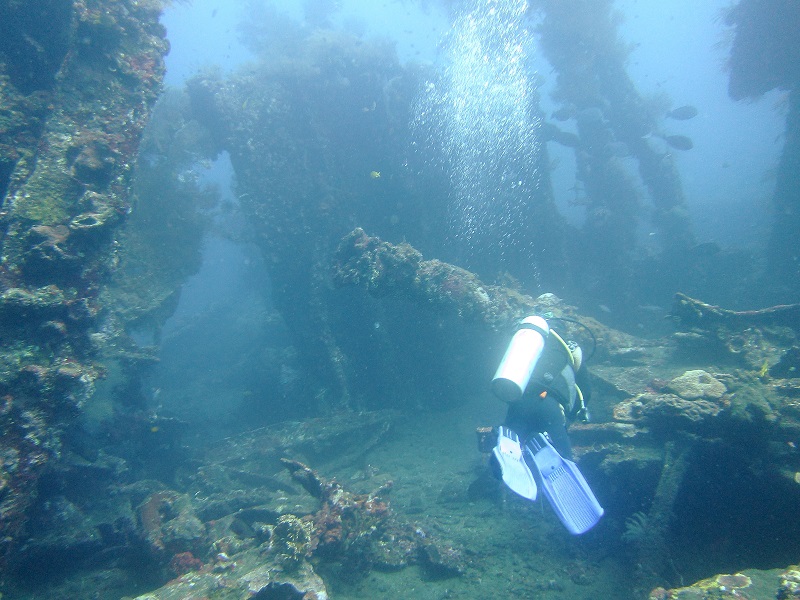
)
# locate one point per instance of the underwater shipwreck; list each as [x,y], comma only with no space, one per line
[319,434]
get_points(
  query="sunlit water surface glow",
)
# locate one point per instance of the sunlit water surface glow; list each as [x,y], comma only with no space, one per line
[481,112]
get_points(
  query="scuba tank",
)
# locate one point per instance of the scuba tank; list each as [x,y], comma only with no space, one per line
[520,359]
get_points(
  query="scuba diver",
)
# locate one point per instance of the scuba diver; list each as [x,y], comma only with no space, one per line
[544,380]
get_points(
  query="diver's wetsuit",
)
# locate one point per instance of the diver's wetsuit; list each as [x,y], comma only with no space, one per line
[549,402]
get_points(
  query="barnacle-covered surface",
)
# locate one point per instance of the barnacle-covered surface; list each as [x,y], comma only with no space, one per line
[381,350]
[779,584]
[75,96]
[283,528]
[662,420]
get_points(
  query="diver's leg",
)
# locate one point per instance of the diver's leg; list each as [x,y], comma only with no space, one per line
[532,415]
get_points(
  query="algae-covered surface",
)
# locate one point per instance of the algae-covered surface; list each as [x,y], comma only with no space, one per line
[259,262]
[512,547]
[441,485]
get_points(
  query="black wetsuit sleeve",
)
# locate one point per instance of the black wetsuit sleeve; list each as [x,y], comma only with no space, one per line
[533,414]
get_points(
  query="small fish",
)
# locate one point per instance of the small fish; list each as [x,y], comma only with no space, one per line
[706,249]
[679,142]
[591,116]
[565,138]
[375,174]
[651,308]
[564,113]
[683,113]
[548,131]
[764,369]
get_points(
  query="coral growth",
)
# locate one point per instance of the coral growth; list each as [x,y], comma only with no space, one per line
[70,123]
[291,541]
[362,531]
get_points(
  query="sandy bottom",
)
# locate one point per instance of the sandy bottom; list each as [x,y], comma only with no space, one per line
[514,548]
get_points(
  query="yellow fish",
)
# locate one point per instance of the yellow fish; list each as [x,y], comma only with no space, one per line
[375,174]
[764,368]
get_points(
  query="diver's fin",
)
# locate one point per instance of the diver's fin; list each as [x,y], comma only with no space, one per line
[516,474]
[564,486]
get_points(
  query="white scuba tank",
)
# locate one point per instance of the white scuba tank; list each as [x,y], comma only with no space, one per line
[520,359]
